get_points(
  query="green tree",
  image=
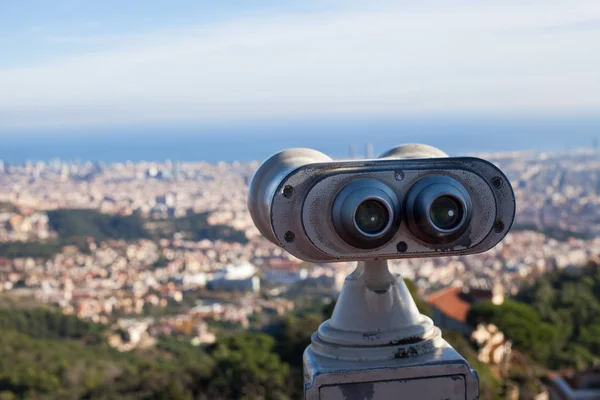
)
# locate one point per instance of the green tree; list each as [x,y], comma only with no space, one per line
[294,337]
[199,228]
[45,323]
[570,302]
[89,223]
[521,324]
[247,367]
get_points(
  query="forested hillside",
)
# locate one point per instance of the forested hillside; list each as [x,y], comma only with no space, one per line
[555,320]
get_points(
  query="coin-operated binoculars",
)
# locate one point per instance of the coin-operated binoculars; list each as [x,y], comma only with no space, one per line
[413,201]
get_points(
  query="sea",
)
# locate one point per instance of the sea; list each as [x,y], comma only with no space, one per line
[258,140]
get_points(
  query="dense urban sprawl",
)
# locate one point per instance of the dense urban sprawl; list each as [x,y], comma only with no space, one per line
[155,285]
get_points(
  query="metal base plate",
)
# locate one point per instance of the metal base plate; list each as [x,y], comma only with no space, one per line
[440,374]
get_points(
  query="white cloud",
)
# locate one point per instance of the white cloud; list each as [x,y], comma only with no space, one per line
[492,58]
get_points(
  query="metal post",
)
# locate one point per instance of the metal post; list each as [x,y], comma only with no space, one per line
[378,346]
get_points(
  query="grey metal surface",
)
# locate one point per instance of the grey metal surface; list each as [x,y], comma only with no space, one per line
[378,346]
[292,202]
[308,213]
[441,374]
[374,310]
[267,179]
[413,150]
[450,387]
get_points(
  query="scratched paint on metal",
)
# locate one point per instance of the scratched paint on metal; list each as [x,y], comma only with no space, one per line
[436,388]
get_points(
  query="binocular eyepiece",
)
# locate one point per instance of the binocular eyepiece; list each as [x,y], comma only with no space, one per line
[366,212]
[414,201]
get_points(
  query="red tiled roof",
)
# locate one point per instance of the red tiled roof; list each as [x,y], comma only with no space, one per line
[450,302]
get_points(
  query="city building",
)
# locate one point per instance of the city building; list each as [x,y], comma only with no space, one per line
[251,284]
[451,306]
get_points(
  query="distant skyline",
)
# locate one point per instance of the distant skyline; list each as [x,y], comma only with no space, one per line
[83,66]
[244,142]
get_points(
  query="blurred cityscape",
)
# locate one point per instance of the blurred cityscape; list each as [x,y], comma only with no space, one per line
[557,226]
[159,249]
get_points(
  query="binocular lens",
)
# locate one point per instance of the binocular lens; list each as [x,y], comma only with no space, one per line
[446,212]
[365,213]
[371,217]
[438,209]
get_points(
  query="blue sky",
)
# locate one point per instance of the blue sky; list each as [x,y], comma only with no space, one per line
[79,63]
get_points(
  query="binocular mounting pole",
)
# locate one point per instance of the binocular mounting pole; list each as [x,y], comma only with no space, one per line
[378,346]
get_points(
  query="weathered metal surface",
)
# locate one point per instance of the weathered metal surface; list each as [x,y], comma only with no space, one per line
[442,373]
[375,308]
[377,345]
[319,228]
[308,212]
[266,180]
[414,150]
[436,388]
